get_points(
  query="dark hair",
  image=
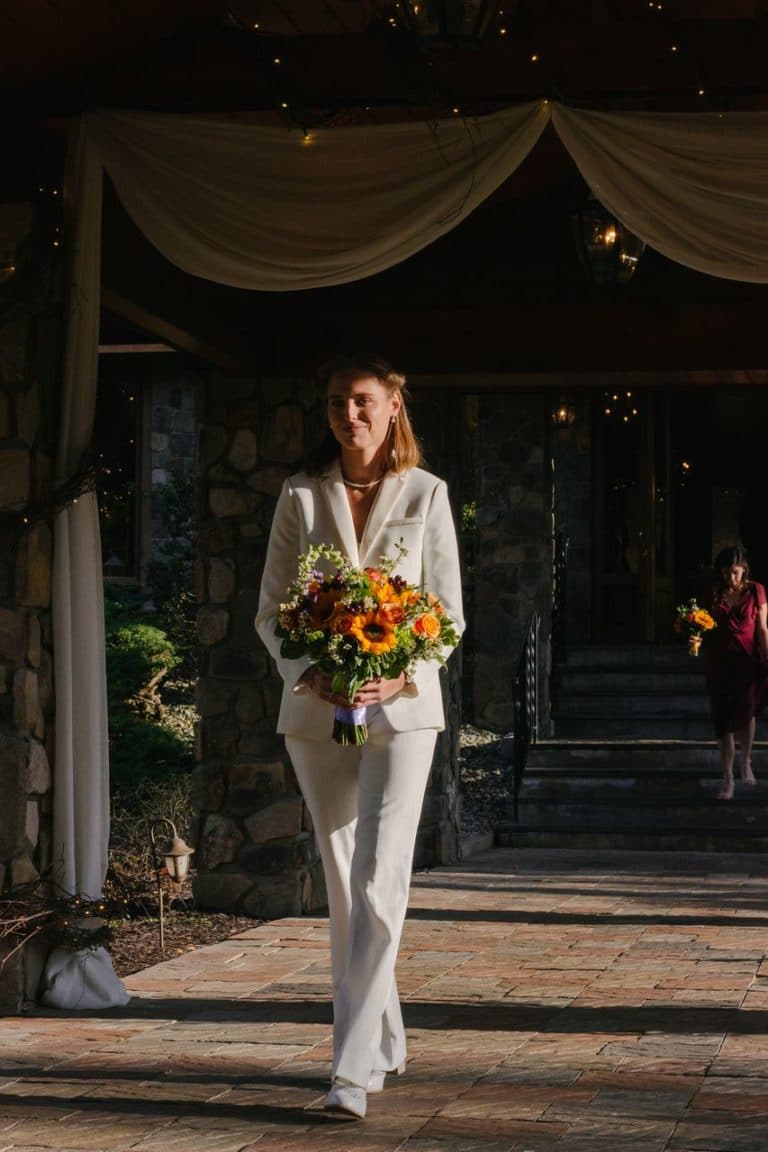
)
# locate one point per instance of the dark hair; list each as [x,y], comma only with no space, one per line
[405,450]
[727,558]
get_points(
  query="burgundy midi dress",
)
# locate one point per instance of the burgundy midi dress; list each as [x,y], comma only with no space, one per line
[736,675]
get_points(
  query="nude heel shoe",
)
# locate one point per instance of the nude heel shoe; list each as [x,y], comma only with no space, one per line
[377,1077]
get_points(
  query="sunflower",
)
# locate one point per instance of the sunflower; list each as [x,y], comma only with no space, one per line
[374,633]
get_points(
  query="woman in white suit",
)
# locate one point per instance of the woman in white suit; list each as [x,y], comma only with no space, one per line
[363,493]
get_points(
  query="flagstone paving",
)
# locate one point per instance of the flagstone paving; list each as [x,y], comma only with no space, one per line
[556,1001]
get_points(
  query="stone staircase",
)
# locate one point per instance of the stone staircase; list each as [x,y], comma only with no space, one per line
[633,763]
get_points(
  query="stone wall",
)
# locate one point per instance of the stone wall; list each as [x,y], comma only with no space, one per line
[29,343]
[255,849]
[513,548]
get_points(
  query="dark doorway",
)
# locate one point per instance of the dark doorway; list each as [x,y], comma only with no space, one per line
[677,475]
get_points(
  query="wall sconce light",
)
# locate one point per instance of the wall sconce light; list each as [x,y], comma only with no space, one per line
[608,250]
[563,414]
[175,856]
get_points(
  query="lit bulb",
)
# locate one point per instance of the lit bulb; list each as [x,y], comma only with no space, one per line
[534,57]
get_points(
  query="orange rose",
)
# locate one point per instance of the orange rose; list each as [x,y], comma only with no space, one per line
[342,621]
[392,613]
[373,574]
[427,625]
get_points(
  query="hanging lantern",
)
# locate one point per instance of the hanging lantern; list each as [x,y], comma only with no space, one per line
[447,22]
[564,413]
[608,250]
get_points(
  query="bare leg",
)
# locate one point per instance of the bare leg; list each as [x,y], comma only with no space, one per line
[746,738]
[727,750]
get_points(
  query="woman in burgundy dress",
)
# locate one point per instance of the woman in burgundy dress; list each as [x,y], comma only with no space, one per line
[735,659]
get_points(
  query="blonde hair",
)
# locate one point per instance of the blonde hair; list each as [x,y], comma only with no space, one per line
[405,448]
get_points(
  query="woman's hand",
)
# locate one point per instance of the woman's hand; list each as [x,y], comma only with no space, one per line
[372,692]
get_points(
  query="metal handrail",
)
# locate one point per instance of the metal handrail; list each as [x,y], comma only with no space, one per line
[525,701]
[560,600]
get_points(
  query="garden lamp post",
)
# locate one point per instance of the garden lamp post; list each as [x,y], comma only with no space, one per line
[172,856]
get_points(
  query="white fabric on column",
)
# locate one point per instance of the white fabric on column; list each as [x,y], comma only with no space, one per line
[81,764]
[260,208]
[694,187]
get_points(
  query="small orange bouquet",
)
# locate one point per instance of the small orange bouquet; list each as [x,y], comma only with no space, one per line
[359,624]
[695,621]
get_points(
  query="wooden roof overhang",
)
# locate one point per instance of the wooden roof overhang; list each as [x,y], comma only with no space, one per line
[504,292]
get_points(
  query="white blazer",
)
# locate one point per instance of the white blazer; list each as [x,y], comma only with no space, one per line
[410,506]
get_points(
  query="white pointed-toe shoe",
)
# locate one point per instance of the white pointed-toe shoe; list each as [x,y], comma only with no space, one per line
[346,1100]
[377,1077]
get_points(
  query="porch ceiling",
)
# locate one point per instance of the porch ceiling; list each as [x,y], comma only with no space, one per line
[343,58]
[503,292]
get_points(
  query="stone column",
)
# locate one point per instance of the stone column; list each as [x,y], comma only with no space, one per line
[29,327]
[513,561]
[254,845]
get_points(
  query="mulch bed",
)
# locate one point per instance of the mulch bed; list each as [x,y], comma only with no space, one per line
[135,943]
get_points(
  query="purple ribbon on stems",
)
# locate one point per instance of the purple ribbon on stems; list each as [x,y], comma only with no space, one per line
[349,726]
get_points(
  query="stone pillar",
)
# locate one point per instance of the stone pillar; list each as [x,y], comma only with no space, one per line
[513,561]
[28,343]
[255,850]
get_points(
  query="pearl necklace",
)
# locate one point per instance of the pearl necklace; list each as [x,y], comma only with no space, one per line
[354,484]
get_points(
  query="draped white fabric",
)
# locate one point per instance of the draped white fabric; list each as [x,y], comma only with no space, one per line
[264,209]
[81,789]
[81,795]
[694,187]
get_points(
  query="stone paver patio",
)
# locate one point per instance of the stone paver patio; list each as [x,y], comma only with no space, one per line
[554,1000]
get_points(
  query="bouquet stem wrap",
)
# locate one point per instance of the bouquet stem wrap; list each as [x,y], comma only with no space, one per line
[349,726]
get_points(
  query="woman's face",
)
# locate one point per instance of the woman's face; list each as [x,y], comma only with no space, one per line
[360,412]
[733,576]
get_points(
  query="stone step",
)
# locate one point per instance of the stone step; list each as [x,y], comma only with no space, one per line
[616,682]
[589,725]
[633,757]
[713,838]
[688,813]
[631,656]
[608,704]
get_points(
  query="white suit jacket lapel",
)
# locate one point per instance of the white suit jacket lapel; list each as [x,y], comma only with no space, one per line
[390,490]
[338,504]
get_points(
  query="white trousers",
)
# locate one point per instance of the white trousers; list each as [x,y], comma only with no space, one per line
[365,805]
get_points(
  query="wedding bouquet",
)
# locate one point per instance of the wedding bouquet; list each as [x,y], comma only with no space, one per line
[360,624]
[695,621]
